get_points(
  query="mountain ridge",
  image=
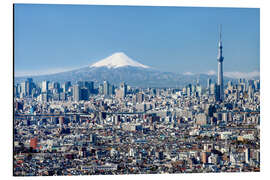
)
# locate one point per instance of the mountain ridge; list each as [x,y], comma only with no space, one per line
[119,68]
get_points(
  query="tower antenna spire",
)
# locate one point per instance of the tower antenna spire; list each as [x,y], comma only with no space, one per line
[220,30]
[220,68]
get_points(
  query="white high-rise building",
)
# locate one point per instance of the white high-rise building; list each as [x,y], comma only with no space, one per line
[106,88]
[44,86]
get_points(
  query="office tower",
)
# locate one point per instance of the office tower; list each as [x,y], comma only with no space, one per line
[44,86]
[29,86]
[111,89]
[84,93]
[100,89]
[199,90]
[220,70]
[198,81]
[193,89]
[105,88]
[250,92]
[56,85]
[251,85]
[217,92]
[184,90]
[50,86]
[210,110]
[80,92]
[80,83]
[230,85]
[76,92]
[23,89]
[212,89]
[66,86]
[240,87]
[209,81]
[90,86]
[123,88]
[189,90]
[257,85]
[16,90]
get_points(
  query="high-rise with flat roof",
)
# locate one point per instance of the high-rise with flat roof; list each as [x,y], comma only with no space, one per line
[44,86]
[105,88]
[123,88]
[76,92]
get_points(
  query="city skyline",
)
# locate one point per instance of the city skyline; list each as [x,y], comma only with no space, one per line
[124,114]
[70,42]
[82,129]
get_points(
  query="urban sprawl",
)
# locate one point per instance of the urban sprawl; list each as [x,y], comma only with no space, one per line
[83,129]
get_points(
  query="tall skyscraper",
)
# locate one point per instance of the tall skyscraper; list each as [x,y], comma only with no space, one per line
[23,89]
[100,89]
[213,87]
[106,88]
[123,88]
[66,86]
[90,86]
[189,90]
[44,87]
[76,92]
[209,83]
[220,70]
[29,86]
[111,89]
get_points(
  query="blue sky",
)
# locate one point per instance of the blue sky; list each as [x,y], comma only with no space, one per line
[52,38]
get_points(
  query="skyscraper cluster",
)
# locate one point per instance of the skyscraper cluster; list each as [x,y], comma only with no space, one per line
[77,129]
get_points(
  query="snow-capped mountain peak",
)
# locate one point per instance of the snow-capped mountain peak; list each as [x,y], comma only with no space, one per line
[117,60]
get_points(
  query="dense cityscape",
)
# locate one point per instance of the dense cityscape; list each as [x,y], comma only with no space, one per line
[89,128]
[80,129]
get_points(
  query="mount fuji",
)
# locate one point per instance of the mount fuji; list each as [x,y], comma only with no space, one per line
[118,60]
[118,68]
